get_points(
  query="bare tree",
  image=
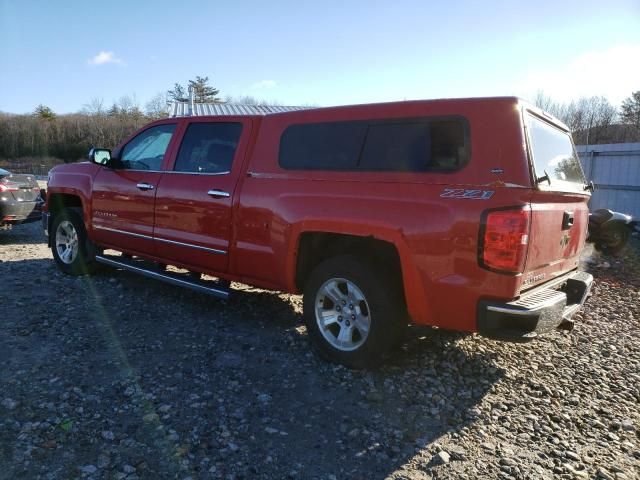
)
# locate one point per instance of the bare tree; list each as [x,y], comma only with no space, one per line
[589,118]
[95,106]
[548,104]
[156,107]
[129,104]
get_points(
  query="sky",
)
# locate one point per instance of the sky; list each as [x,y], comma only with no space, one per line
[65,53]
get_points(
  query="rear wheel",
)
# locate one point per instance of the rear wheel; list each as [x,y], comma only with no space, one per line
[352,312]
[72,250]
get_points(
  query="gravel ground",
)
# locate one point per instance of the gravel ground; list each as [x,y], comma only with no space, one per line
[115,376]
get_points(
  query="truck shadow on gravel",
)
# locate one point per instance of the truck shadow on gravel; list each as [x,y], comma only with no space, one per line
[173,383]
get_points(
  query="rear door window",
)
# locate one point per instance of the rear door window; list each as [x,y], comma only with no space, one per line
[208,148]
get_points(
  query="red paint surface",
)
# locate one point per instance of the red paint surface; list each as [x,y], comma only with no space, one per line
[260,224]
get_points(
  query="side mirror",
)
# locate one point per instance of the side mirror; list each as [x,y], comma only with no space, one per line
[101,156]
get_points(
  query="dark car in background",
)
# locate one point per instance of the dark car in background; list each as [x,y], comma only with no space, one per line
[20,199]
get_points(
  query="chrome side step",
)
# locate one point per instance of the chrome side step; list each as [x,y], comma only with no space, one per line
[202,286]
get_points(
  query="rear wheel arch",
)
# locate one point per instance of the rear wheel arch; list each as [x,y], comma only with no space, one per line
[314,247]
[307,249]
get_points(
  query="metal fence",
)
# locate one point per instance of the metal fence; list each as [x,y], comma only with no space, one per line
[32,168]
[37,170]
[615,171]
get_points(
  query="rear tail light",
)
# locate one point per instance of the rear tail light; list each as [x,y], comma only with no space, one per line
[8,186]
[504,238]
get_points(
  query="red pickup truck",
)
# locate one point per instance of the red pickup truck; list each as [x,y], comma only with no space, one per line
[466,214]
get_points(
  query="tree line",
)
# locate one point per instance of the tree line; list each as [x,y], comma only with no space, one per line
[595,120]
[44,138]
[37,141]
[45,135]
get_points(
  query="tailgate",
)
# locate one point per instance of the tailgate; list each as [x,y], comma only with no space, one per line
[557,236]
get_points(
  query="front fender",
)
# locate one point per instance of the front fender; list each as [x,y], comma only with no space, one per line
[74,179]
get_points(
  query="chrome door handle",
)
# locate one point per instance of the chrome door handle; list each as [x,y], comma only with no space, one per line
[145,186]
[218,194]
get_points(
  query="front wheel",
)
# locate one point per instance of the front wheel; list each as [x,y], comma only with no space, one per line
[71,248]
[353,313]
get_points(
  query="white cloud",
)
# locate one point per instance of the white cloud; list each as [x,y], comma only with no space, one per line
[611,73]
[264,84]
[103,58]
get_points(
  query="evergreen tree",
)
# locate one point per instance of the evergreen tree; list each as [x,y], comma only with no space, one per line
[113,111]
[44,112]
[202,91]
[631,110]
[178,94]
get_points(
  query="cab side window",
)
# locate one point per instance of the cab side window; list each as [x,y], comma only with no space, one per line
[146,151]
[208,148]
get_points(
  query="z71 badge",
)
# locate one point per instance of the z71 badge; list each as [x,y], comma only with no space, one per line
[468,194]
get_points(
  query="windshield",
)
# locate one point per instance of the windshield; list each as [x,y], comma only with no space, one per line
[553,153]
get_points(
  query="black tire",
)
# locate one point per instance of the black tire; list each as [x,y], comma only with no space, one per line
[613,238]
[83,262]
[384,304]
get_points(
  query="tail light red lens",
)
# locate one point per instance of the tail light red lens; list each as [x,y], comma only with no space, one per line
[505,239]
[8,186]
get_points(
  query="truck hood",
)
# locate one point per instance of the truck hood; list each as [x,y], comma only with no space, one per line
[81,167]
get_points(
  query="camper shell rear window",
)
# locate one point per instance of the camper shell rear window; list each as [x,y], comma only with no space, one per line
[554,156]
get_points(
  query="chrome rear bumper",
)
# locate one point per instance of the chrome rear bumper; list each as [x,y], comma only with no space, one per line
[532,314]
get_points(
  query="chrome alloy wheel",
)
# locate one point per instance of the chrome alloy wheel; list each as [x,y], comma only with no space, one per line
[342,314]
[67,242]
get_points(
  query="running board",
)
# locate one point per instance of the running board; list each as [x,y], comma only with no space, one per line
[202,286]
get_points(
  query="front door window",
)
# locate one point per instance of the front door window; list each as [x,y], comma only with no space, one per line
[146,151]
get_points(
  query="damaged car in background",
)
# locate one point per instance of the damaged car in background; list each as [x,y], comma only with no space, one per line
[20,199]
